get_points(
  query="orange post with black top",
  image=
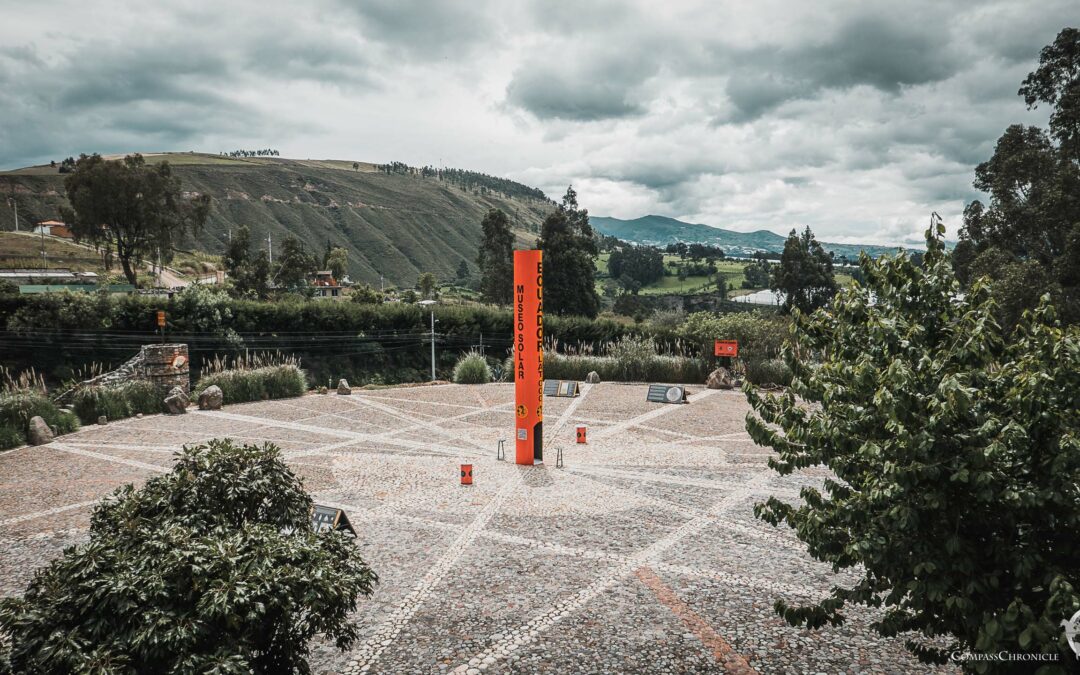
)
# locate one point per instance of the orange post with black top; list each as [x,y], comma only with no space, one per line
[529,356]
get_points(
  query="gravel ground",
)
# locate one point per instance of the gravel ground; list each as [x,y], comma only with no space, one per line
[641,555]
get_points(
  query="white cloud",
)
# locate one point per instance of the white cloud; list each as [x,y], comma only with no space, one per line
[855,119]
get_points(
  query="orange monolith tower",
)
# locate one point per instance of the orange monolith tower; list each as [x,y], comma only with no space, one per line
[529,356]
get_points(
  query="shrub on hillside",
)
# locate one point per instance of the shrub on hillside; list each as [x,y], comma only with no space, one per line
[955,447]
[472,368]
[213,567]
[117,402]
[18,407]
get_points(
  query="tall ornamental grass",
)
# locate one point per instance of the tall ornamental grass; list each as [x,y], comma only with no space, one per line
[117,402]
[472,368]
[18,407]
[254,377]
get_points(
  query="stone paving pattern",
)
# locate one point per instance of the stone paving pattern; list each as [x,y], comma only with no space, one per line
[641,555]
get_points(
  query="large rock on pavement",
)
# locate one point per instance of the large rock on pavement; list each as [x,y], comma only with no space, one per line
[176,402]
[593,377]
[211,398]
[720,379]
[343,387]
[38,433]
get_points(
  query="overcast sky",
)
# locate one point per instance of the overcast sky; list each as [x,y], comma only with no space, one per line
[857,121]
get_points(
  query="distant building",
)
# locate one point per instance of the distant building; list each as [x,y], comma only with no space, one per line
[326,286]
[54,228]
[57,275]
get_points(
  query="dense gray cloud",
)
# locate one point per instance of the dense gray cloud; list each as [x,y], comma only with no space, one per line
[855,118]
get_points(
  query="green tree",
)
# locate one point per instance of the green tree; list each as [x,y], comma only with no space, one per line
[757,274]
[337,261]
[805,273]
[570,251]
[213,567]
[132,207]
[462,272]
[426,283]
[644,264]
[954,452]
[250,274]
[1032,216]
[363,294]
[496,258]
[295,264]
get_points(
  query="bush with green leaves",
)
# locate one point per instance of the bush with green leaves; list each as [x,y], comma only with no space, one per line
[213,567]
[766,372]
[117,402]
[955,457]
[18,407]
[472,368]
[760,334]
[256,384]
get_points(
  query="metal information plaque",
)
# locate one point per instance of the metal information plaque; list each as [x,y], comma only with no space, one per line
[327,518]
[666,393]
[564,388]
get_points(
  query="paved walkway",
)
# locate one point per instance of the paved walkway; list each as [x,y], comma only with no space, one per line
[641,555]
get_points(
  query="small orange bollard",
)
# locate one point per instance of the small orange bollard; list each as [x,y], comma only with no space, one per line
[581,434]
[466,474]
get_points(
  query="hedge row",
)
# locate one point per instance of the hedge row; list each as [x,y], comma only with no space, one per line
[670,369]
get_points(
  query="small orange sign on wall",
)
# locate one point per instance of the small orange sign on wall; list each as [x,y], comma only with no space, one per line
[161,319]
[726,348]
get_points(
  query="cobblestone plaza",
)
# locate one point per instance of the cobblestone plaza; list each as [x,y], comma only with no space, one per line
[641,554]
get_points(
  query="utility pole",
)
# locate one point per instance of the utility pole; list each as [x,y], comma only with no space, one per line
[16,205]
[44,262]
[433,345]
[270,248]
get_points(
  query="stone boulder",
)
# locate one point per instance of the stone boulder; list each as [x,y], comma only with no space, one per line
[211,398]
[343,387]
[593,377]
[39,433]
[176,402]
[102,420]
[720,379]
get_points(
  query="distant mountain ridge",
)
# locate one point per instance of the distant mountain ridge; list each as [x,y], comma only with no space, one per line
[661,231]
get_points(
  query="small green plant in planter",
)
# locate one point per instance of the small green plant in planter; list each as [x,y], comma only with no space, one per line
[212,567]
[472,368]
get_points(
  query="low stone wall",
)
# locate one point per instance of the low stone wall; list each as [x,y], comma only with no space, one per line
[166,366]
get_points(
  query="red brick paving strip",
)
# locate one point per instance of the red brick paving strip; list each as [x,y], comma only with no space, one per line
[732,661]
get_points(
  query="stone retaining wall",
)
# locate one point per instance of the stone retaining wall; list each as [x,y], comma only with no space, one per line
[166,366]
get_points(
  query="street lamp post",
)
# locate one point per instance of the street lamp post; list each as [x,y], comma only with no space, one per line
[431,304]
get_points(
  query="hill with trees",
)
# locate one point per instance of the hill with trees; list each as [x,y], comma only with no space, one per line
[398,224]
[661,231]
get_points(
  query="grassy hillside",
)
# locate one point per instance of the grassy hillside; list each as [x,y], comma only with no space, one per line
[661,231]
[22,250]
[396,225]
